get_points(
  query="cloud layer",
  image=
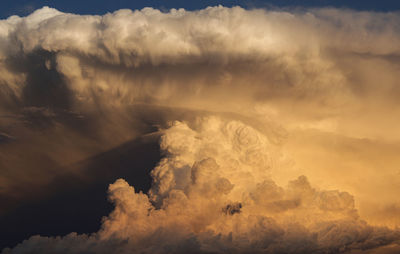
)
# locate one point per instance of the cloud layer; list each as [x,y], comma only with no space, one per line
[247,102]
[330,64]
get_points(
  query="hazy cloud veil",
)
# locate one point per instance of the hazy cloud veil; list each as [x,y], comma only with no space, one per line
[269,123]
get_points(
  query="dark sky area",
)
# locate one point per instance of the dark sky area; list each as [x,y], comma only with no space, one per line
[24,7]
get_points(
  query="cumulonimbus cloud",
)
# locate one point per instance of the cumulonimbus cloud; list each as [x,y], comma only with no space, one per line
[325,59]
[245,80]
[213,193]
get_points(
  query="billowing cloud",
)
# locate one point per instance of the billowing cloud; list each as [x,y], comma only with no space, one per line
[326,62]
[267,121]
[212,194]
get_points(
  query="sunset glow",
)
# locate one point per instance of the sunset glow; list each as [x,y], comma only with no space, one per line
[277,130]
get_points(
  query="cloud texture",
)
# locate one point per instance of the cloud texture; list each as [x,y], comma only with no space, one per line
[246,103]
[212,194]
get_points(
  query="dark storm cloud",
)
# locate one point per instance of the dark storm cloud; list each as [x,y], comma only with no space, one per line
[219,88]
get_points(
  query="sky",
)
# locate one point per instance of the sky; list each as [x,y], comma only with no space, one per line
[24,7]
[259,128]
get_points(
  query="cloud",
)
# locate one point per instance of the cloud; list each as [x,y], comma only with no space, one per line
[194,186]
[319,61]
[243,100]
